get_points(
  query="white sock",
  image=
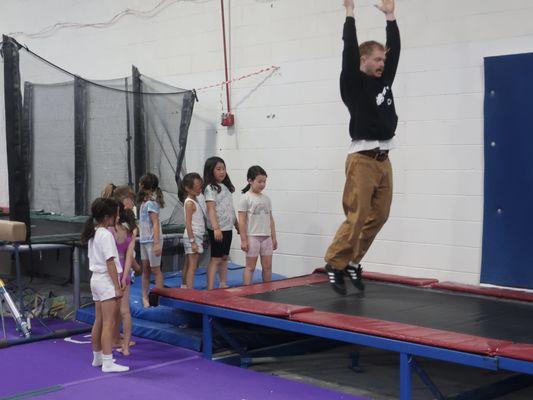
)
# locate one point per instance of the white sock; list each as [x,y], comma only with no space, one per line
[97,359]
[108,365]
[183,286]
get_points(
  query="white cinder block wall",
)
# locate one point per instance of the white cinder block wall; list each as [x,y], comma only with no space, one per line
[292,121]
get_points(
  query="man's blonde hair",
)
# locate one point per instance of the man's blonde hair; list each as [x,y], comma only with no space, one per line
[366,48]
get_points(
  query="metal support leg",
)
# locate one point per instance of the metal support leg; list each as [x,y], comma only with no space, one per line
[76,276]
[246,360]
[405,377]
[426,379]
[355,366]
[19,278]
[207,336]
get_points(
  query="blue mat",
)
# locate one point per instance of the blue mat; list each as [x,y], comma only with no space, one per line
[167,324]
[508,186]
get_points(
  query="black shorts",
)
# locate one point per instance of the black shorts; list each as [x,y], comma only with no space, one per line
[220,249]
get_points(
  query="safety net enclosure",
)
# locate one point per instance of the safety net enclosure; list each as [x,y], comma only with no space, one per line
[67,137]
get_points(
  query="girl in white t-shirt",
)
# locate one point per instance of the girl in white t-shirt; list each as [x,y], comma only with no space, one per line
[256,225]
[105,286]
[221,219]
[190,194]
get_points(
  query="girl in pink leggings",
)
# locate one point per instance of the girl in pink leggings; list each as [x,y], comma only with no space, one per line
[256,225]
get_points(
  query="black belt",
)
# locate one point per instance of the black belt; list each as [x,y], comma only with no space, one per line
[378,155]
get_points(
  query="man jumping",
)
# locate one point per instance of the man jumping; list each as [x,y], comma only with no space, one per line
[368,71]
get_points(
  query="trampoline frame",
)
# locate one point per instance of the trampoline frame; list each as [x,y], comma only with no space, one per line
[406,350]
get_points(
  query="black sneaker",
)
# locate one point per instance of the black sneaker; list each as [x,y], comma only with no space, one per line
[336,279]
[356,276]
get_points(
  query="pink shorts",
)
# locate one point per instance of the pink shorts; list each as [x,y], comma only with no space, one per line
[259,245]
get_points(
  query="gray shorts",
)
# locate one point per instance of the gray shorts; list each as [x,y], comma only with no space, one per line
[147,254]
[187,245]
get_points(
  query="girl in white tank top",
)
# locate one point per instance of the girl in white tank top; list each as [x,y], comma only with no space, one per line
[190,193]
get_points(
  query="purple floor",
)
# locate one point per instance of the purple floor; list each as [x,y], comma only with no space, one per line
[63,369]
[37,328]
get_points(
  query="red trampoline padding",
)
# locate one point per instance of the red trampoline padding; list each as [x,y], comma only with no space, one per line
[277,285]
[219,298]
[404,332]
[485,291]
[520,351]
[404,280]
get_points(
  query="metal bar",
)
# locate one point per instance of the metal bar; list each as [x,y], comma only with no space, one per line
[19,278]
[19,207]
[128,132]
[405,377]
[207,334]
[225,55]
[76,276]
[426,380]
[227,337]
[80,147]
[510,364]
[34,247]
[437,353]
[139,135]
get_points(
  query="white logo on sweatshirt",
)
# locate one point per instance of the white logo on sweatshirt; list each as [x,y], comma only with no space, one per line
[380,98]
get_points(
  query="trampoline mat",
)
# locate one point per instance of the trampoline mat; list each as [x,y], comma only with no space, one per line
[454,312]
[52,230]
[41,228]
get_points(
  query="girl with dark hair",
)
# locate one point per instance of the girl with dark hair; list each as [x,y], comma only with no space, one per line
[258,231]
[150,234]
[124,232]
[190,194]
[105,266]
[221,218]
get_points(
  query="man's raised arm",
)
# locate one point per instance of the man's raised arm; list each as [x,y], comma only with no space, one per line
[393,40]
[350,75]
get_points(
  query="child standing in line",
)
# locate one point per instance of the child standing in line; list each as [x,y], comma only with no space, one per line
[150,234]
[124,231]
[190,194]
[221,219]
[105,286]
[256,224]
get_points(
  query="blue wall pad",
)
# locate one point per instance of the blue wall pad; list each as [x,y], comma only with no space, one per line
[507,258]
[173,280]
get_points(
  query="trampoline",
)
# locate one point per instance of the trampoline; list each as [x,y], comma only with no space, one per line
[486,328]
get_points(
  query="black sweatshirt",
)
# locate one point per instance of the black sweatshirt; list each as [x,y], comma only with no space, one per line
[369,100]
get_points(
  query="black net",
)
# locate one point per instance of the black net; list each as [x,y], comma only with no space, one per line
[78,135]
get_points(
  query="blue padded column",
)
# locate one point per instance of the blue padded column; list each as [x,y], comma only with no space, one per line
[507,256]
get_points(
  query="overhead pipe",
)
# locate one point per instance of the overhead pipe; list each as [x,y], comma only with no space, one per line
[228,119]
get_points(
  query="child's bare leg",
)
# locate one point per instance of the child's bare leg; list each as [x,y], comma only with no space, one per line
[249,269]
[184,277]
[266,266]
[191,269]
[96,331]
[223,272]
[125,314]
[117,341]
[145,282]
[109,312]
[158,275]
[211,272]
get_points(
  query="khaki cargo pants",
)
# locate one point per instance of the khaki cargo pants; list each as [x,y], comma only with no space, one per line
[366,201]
